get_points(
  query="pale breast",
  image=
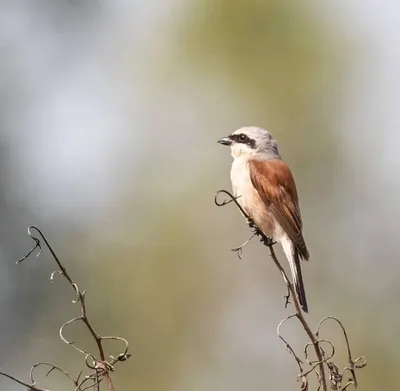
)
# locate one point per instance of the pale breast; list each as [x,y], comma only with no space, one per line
[249,198]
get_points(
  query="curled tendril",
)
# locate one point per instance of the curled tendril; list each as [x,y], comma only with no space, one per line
[79,295]
[343,331]
[65,340]
[232,198]
[99,366]
[36,246]
[288,346]
[304,383]
[256,230]
[316,363]
[52,275]
[320,341]
[118,339]
[268,242]
[353,364]
[92,364]
[359,364]
[52,368]
[323,359]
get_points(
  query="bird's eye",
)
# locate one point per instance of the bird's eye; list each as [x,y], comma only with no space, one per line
[242,137]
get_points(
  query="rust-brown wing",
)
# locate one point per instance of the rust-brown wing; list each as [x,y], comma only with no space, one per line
[276,187]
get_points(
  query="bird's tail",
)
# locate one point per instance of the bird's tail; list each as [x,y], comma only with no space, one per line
[293,257]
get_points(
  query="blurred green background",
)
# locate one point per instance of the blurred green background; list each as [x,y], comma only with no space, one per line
[109,116]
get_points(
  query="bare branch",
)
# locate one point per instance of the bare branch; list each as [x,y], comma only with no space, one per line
[98,364]
[31,387]
[317,366]
[52,368]
[299,362]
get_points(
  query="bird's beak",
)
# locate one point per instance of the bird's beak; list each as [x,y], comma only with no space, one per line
[225,141]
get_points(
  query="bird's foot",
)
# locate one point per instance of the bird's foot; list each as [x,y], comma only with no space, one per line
[252,225]
[267,241]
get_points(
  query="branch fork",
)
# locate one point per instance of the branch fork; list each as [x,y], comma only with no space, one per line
[99,365]
[338,379]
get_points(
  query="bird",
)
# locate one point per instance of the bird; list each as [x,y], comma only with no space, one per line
[265,188]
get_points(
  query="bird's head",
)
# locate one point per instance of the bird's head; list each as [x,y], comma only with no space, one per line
[252,141]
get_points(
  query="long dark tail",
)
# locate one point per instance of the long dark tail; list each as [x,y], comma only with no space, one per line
[293,257]
[298,282]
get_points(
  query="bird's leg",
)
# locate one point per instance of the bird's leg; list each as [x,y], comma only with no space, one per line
[267,241]
[251,224]
[256,232]
[239,249]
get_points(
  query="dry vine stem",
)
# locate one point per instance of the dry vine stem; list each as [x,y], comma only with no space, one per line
[336,377]
[99,365]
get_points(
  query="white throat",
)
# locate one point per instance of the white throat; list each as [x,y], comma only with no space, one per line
[243,152]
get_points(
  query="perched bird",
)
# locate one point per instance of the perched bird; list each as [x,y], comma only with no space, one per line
[266,191]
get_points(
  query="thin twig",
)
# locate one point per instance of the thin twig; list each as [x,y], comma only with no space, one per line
[52,368]
[317,366]
[31,387]
[358,363]
[101,367]
[302,320]
[288,346]
[80,295]
[299,314]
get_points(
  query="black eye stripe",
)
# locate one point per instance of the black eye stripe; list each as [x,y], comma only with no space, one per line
[243,139]
[239,138]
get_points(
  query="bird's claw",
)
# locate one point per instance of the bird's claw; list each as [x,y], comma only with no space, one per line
[252,225]
[267,241]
